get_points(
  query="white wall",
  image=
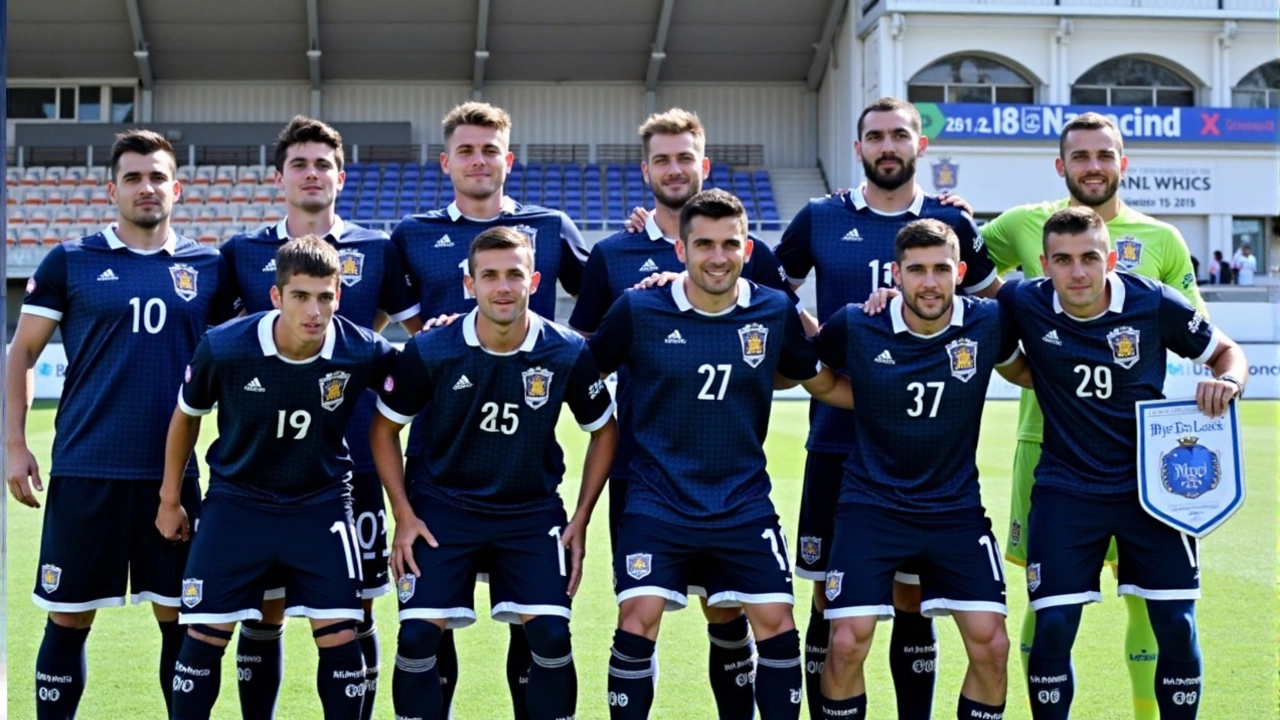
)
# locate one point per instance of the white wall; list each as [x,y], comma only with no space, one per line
[838,107]
[230,102]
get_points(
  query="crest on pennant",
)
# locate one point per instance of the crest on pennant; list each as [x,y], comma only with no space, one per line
[1190,470]
[1124,346]
[50,577]
[332,387]
[537,386]
[810,548]
[946,174]
[350,266]
[963,356]
[184,281]
[755,339]
[192,592]
[530,232]
[639,565]
[835,583]
[1033,577]
[405,587]
[1128,252]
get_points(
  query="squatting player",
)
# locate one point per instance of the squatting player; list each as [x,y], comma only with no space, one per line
[1112,330]
[702,354]
[848,240]
[308,162]
[286,384]
[495,382]
[132,301]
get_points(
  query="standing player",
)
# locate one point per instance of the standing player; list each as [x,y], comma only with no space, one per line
[848,240]
[1112,331]
[1092,162]
[675,166]
[308,161]
[477,158]
[919,377]
[132,302]
[702,355]
[286,384]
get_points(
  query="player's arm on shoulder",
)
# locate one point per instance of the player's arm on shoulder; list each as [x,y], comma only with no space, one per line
[998,238]
[610,344]
[795,250]
[831,346]
[1178,272]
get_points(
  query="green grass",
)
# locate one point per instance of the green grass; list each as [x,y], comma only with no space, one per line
[1237,615]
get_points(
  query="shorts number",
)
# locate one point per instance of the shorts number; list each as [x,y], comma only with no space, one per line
[711,371]
[510,418]
[779,554]
[919,389]
[555,533]
[985,541]
[370,521]
[881,274]
[299,420]
[1101,377]
[349,549]
[143,314]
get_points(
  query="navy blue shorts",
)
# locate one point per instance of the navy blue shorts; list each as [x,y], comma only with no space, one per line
[956,553]
[100,540]
[731,566]
[243,545]
[1067,539]
[528,568]
[369,509]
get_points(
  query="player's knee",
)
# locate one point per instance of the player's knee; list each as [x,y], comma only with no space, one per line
[1056,629]
[850,642]
[719,615]
[77,620]
[418,639]
[548,638]
[1174,625]
[988,644]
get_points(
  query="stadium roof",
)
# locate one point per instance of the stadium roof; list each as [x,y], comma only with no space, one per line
[439,40]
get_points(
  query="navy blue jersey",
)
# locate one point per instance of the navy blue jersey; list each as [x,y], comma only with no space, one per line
[435,246]
[620,261]
[130,321]
[703,389]
[490,436]
[281,422]
[918,402]
[850,247]
[372,279]
[1089,373]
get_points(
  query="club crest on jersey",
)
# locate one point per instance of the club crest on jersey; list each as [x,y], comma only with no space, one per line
[332,386]
[810,548]
[530,232]
[184,281]
[1033,577]
[1128,252]
[350,266]
[405,587]
[1191,469]
[835,583]
[639,565]
[537,386]
[50,577]
[192,592]
[963,355]
[754,338]
[946,174]
[1124,346]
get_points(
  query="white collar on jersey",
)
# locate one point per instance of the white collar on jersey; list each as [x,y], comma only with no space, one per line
[860,200]
[682,300]
[897,306]
[115,243]
[335,232]
[267,339]
[1117,300]
[508,208]
[652,229]
[530,340]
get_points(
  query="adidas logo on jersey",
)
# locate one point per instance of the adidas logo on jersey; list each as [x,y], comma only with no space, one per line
[852,236]
[1051,337]
[255,386]
[108,274]
[649,266]
[675,338]
[884,358]
[463,383]
[270,266]
[444,242]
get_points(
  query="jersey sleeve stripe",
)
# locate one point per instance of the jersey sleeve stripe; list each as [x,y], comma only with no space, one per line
[1012,356]
[601,421]
[182,403]
[1208,350]
[53,315]
[795,281]
[392,415]
[980,286]
[406,314]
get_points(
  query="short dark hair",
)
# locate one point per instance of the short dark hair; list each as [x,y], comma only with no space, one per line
[1089,121]
[498,238]
[307,255]
[142,142]
[714,204]
[891,104]
[479,114]
[1074,220]
[926,233]
[302,129]
[676,121]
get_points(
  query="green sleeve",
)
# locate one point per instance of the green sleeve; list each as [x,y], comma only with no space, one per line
[1177,271]
[999,237]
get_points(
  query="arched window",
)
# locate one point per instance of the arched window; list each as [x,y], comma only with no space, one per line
[970,79]
[1258,89]
[1132,81]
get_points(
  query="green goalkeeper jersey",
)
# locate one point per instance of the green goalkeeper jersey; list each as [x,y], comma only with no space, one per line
[1144,246]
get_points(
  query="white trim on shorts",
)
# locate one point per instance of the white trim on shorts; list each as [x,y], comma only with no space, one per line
[509,612]
[50,606]
[375,592]
[675,601]
[455,618]
[322,614]
[943,607]
[906,578]
[163,600]
[1084,598]
[1184,594]
[733,598]
[879,612]
[814,575]
[218,618]
[273,594]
